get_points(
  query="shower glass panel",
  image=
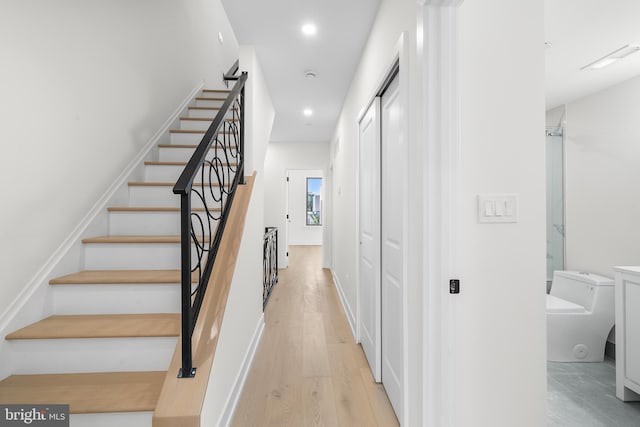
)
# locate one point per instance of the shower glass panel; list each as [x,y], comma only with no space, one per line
[555,201]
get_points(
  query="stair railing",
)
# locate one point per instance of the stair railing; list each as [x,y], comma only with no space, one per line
[209,180]
[270,263]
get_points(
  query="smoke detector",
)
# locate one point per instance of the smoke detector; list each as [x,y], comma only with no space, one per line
[310,74]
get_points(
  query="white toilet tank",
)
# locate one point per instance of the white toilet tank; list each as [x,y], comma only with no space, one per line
[578,287]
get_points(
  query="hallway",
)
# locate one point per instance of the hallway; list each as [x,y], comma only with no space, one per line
[308,371]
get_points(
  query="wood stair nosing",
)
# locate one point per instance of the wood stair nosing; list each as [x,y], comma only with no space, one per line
[204,108]
[171,184]
[154,209]
[154,163]
[143,239]
[216,91]
[87,393]
[197,131]
[209,108]
[108,277]
[204,119]
[188,146]
[133,239]
[205,98]
[77,326]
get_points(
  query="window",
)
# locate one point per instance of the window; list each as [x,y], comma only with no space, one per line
[314,203]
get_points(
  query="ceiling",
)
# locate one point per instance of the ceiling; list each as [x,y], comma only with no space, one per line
[274,28]
[582,31]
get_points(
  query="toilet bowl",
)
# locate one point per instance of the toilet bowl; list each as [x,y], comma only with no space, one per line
[580,315]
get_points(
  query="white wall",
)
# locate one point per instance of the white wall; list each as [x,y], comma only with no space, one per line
[283,156]
[498,357]
[602,175]
[500,340]
[85,84]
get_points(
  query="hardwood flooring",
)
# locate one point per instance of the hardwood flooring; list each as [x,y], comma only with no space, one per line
[308,370]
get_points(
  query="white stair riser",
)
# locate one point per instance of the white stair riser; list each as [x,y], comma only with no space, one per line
[195,124]
[111,256]
[209,103]
[179,154]
[144,223]
[160,196]
[210,114]
[129,419]
[162,173]
[213,94]
[167,173]
[91,355]
[175,154]
[186,138]
[116,298]
[193,138]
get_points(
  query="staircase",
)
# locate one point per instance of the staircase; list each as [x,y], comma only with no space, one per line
[107,348]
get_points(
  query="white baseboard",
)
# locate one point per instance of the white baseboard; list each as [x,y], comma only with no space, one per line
[347,308]
[42,276]
[232,401]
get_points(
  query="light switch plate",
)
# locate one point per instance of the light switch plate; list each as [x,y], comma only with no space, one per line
[497,208]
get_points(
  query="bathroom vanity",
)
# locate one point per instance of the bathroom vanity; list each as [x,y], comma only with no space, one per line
[627,297]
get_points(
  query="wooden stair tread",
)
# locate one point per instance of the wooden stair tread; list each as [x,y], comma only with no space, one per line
[197,131]
[133,239]
[204,108]
[148,163]
[168,184]
[153,209]
[216,90]
[206,98]
[213,147]
[204,119]
[101,326]
[86,393]
[91,277]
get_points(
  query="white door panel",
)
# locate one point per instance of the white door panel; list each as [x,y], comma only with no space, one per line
[369,237]
[394,184]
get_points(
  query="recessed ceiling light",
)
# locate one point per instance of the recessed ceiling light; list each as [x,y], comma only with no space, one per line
[307,112]
[309,29]
[612,57]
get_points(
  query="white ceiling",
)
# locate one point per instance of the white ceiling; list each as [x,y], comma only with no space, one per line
[582,31]
[274,28]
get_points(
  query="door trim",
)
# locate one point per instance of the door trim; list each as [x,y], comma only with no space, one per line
[438,121]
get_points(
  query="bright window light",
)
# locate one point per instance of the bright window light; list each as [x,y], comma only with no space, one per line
[309,29]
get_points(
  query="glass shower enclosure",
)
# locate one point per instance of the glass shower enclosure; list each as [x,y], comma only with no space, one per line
[555,200]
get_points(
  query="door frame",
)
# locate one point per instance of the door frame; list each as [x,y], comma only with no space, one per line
[317,173]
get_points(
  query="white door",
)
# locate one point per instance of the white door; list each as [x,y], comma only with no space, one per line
[299,230]
[394,208]
[369,237]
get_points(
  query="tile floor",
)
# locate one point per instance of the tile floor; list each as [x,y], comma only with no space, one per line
[584,395]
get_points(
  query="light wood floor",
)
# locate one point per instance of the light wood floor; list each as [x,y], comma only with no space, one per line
[308,371]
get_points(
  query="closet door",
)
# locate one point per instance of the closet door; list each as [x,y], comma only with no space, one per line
[393,276]
[369,237]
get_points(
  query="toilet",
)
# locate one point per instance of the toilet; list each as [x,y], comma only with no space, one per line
[580,315]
